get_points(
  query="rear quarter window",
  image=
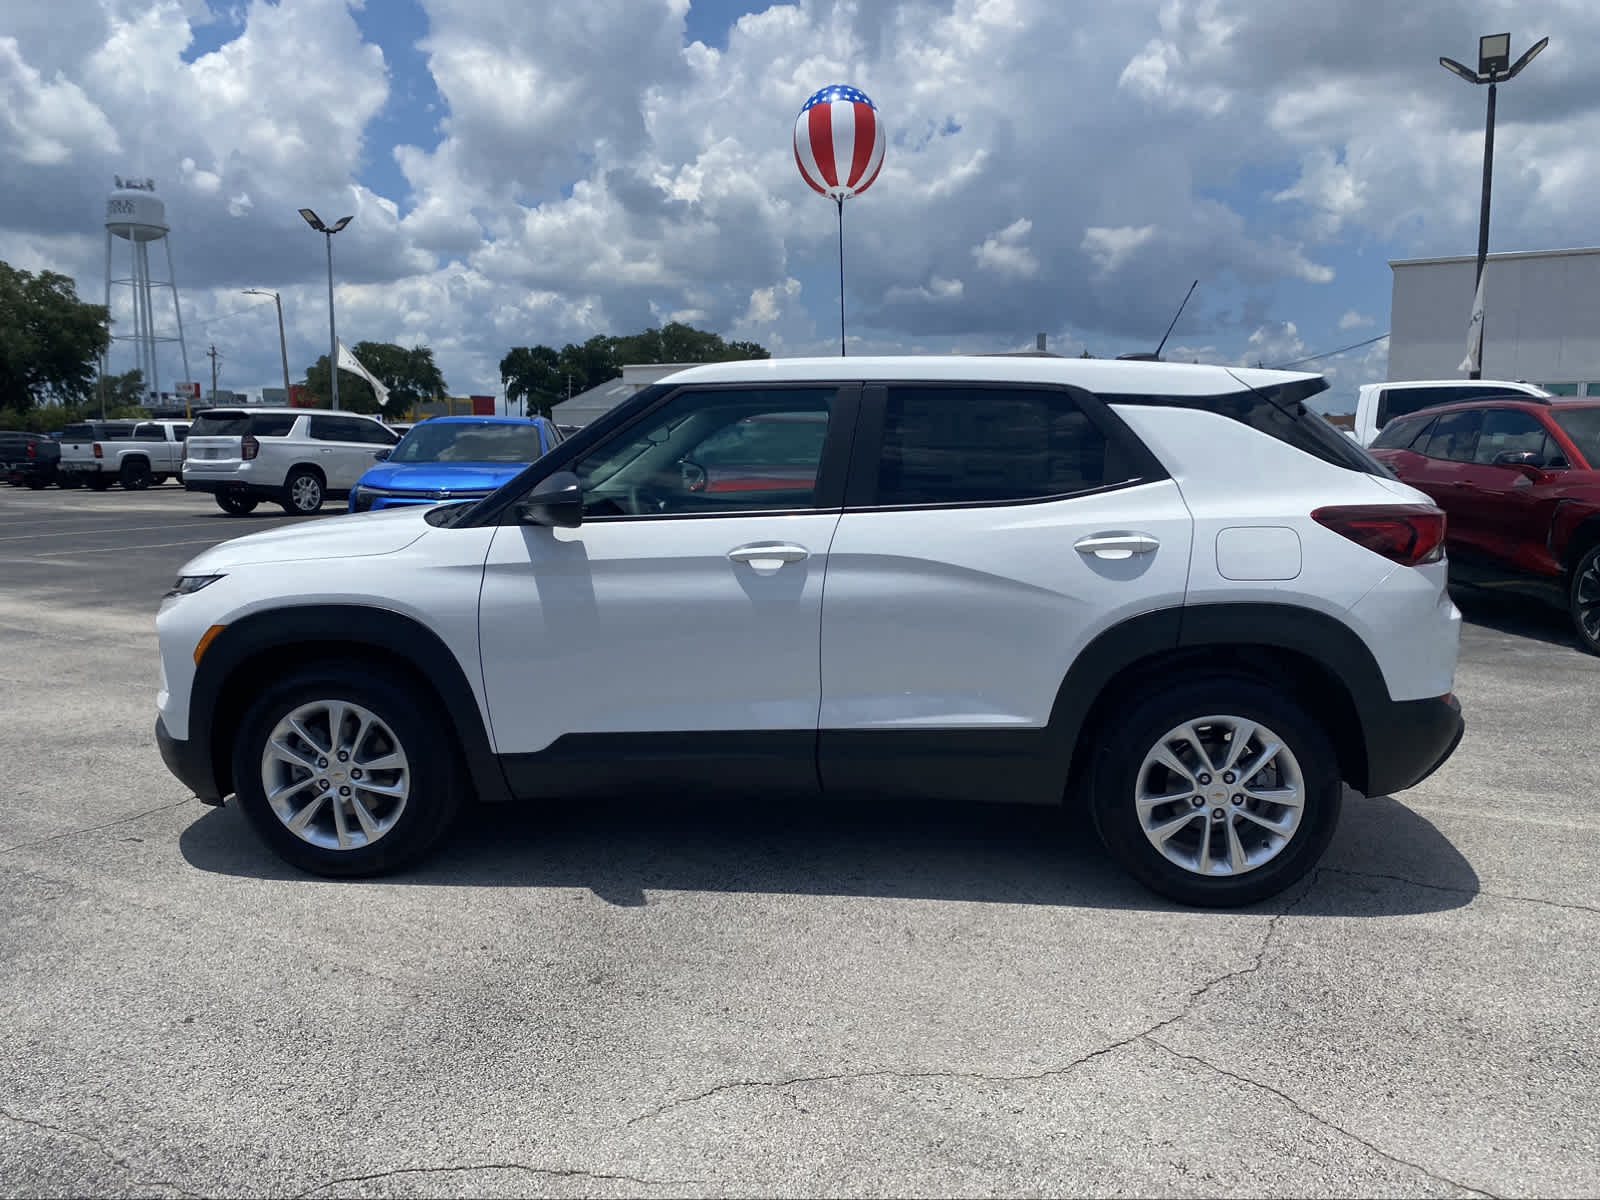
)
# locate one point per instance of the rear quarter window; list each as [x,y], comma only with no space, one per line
[1279,412]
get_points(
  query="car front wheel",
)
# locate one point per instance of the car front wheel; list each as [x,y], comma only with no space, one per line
[1585,600]
[342,771]
[1217,792]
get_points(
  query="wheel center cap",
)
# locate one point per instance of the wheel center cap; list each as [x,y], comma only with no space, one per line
[1219,795]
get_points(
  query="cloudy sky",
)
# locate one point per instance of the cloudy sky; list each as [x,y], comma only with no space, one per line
[527,171]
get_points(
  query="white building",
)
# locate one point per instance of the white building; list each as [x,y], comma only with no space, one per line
[1541,318]
[601,399]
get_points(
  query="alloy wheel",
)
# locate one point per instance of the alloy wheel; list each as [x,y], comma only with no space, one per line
[1586,601]
[335,774]
[1220,795]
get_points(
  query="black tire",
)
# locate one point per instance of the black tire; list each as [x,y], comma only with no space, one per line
[99,481]
[303,492]
[68,480]
[38,482]
[236,505]
[1133,733]
[157,480]
[435,774]
[134,475]
[1583,599]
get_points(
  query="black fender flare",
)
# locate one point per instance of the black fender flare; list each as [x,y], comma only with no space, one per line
[331,630]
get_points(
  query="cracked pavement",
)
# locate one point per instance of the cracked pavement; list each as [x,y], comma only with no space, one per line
[670,999]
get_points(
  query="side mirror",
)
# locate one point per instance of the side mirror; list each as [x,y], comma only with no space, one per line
[1527,462]
[382,455]
[556,502]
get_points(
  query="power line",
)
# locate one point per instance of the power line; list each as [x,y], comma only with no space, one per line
[1330,353]
[230,313]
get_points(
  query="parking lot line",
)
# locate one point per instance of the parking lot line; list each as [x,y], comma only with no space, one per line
[22,537]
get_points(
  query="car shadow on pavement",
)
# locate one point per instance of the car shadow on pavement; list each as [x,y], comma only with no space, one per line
[1508,612]
[1385,860]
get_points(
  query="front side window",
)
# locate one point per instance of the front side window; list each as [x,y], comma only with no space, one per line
[975,445]
[1454,436]
[1511,431]
[469,443]
[715,451]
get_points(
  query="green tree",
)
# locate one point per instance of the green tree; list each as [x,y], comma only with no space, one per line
[125,390]
[411,376]
[531,376]
[50,341]
[539,377]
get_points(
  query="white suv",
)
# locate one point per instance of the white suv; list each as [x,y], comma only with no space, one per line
[291,456]
[1168,594]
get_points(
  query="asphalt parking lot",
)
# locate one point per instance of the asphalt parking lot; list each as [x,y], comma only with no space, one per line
[638,999]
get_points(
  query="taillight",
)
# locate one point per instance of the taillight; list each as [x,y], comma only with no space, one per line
[1408,534]
[98,453]
[248,447]
[33,449]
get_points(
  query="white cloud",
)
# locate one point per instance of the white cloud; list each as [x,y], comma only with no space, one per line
[1355,320]
[44,124]
[1004,252]
[1110,248]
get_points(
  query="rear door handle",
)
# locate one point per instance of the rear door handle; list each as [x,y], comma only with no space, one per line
[1116,545]
[768,556]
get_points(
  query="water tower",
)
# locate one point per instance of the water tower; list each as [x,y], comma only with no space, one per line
[136,214]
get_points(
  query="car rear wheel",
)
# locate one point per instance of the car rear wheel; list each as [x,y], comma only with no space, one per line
[135,475]
[1585,600]
[38,482]
[237,506]
[342,771]
[304,493]
[1217,792]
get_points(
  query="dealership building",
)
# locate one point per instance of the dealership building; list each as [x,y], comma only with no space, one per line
[1541,318]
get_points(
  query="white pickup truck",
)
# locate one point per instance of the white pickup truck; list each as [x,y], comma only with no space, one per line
[135,454]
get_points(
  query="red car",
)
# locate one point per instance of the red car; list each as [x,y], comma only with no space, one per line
[1519,481]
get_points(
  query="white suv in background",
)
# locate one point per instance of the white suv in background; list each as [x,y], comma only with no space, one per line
[290,456]
[1166,595]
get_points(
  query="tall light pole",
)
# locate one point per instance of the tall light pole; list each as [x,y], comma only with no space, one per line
[1494,67]
[333,338]
[283,345]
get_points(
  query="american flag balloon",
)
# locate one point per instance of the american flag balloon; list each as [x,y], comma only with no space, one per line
[839,142]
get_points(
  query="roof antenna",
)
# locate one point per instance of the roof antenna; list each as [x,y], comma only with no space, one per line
[1176,315]
[1141,356]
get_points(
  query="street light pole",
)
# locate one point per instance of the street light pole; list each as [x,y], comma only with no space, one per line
[328,231]
[283,344]
[1494,67]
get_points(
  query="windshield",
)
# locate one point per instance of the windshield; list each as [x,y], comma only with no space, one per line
[1582,425]
[429,443]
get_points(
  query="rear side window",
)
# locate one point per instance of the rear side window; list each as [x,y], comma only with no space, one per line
[1398,435]
[237,424]
[1454,436]
[974,445]
[149,433]
[1279,412]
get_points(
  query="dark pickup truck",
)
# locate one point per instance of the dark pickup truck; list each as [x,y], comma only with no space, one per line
[29,458]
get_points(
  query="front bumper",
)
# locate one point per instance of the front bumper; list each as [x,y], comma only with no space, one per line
[190,763]
[1410,740]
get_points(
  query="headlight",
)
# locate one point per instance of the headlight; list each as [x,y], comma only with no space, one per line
[192,583]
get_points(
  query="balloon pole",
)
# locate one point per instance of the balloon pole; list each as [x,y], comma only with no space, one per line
[839,200]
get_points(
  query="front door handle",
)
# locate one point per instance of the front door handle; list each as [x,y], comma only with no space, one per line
[768,556]
[1116,545]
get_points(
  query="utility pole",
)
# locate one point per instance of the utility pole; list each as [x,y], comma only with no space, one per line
[212,355]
